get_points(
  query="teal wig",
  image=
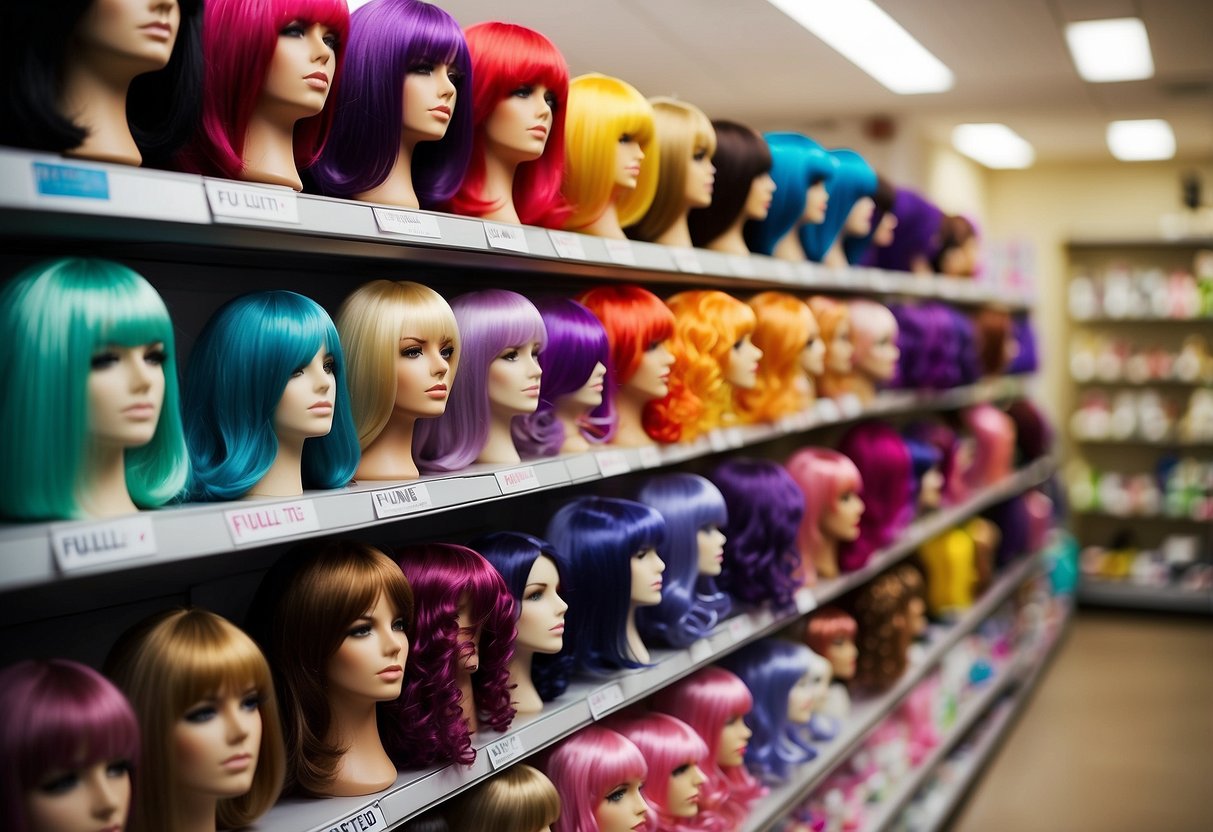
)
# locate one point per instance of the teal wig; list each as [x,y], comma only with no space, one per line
[797,163]
[54,317]
[853,180]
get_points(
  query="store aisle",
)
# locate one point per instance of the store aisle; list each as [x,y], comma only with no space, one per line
[1118,737]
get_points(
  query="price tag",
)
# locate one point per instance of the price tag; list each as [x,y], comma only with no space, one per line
[567,244]
[687,260]
[517,479]
[366,819]
[258,523]
[70,181]
[783,270]
[505,751]
[850,405]
[411,223]
[701,650]
[621,252]
[251,202]
[604,699]
[742,266]
[734,437]
[612,463]
[805,601]
[508,237]
[402,499]
[650,456]
[718,441]
[81,546]
[740,627]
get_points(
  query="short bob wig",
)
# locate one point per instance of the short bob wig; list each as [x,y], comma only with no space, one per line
[519,799]
[682,131]
[667,744]
[634,319]
[784,327]
[797,163]
[853,180]
[741,157]
[587,767]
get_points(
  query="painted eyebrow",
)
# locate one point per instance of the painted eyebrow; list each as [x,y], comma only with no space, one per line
[412,338]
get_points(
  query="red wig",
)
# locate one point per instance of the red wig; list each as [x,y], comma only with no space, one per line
[827,625]
[634,319]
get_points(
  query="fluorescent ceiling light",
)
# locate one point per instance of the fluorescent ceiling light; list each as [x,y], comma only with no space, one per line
[1142,140]
[993,145]
[865,35]
[1116,49]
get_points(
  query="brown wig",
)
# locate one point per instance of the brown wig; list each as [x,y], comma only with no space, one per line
[884,632]
[741,156]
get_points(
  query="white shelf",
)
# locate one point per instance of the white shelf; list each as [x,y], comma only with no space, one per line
[1127,595]
[1150,518]
[1141,319]
[1142,441]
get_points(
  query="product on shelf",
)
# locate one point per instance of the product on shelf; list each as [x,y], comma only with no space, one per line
[519,799]
[598,774]
[686,142]
[793,357]
[830,485]
[742,193]
[874,336]
[834,318]
[916,239]
[854,181]
[672,751]
[883,632]
[958,247]
[803,172]
[881,224]
[831,632]
[885,487]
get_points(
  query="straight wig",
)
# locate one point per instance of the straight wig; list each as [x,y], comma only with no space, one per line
[994,452]
[943,438]
[917,238]
[872,324]
[587,767]
[634,319]
[886,487]
[831,314]
[519,799]
[667,744]
[853,180]
[797,163]
[1026,358]
[682,131]
[741,157]
[784,327]
[822,476]
[884,196]
[826,627]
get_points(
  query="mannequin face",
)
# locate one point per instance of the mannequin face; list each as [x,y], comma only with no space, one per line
[842,654]
[800,700]
[682,793]
[711,550]
[541,622]
[125,394]
[742,370]
[622,809]
[306,407]
[216,743]
[880,360]
[647,567]
[817,199]
[429,101]
[590,394]
[301,71]
[859,221]
[422,371]
[840,351]
[518,128]
[369,662]
[821,677]
[628,157]
[883,235]
[701,178]
[138,33]
[469,634]
[930,491]
[813,356]
[514,380]
[758,202]
[841,520]
[734,739]
[81,800]
[652,377]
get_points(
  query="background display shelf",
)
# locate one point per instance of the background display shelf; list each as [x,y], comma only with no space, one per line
[1102,593]
[1155,319]
[1153,518]
[1141,385]
[1141,440]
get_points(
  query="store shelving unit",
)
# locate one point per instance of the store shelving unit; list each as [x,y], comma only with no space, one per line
[1106,593]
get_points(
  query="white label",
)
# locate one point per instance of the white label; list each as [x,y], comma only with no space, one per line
[517,479]
[740,627]
[701,650]
[257,523]
[621,252]
[567,244]
[366,819]
[805,601]
[412,223]
[850,405]
[403,499]
[508,237]
[128,538]
[604,699]
[505,751]
[251,202]
[650,456]
[742,266]
[687,260]
[783,269]
[717,441]
[612,463]
[734,437]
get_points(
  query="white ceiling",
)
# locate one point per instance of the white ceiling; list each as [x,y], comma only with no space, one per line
[744,60]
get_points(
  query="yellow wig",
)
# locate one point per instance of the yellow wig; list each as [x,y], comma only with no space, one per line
[784,325]
[682,130]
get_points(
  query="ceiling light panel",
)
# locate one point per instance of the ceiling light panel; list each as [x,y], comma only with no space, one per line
[1116,49]
[1141,140]
[993,145]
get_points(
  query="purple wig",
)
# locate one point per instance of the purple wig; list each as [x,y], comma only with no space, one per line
[883,460]
[937,344]
[428,718]
[388,40]
[1026,360]
[917,235]
[765,510]
[490,321]
[576,342]
[59,716]
[1014,521]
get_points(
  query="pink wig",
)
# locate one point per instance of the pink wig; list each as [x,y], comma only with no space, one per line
[883,460]
[667,743]
[994,454]
[585,768]
[239,38]
[871,323]
[823,475]
[706,701]
[827,625]
[429,728]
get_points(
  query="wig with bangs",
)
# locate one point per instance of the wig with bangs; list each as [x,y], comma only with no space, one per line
[302,614]
[667,744]
[519,799]
[886,486]
[827,626]
[943,439]
[59,716]
[388,40]
[831,314]
[682,131]
[797,163]
[239,38]
[237,372]
[601,111]
[634,320]
[924,457]
[741,157]
[853,180]
[167,664]
[994,453]
[505,57]
[54,318]
[587,767]
[427,723]
[995,340]
[950,561]
[822,476]
[784,327]
[884,196]
[917,238]
[599,536]
[1034,435]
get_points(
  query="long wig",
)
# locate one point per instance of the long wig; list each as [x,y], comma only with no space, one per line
[783,327]
[883,632]
[886,486]
[741,157]
[682,131]
[667,743]
[831,314]
[994,453]
[917,238]
[822,476]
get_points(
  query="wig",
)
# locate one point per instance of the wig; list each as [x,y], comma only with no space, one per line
[798,163]
[587,767]
[601,111]
[955,232]
[599,536]
[1033,434]
[634,320]
[950,562]
[822,476]
[1025,360]
[886,486]
[995,337]
[519,799]
[301,615]
[830,315]
[59,716]
[924,457]
[884,632]
[388,40]
[489,321]
[917,237]
[239,38]
[936,344]
[691,604]
[504,58]
[371,322]
[429,728]
[871,323]
[943,439]
[822,726]
[237,372]
[667,743]
[765,510]
[682,132]
[770,669]
[54,317]
[161,106]
[165,665]
[884,196]
[741,157]
[825,627]
[783,324]
[994,454]
[853,180]
[1014,523]
[577,342]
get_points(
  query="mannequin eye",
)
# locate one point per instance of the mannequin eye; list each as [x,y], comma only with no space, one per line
[103,360]
[626,138]
[617,795]
[455,76]
[251,702]
[681,770]
[118,768]
[423,68]
[203,713]
[330,365]
[551,100]
[399,625]
[360,630]
[701,153]
[155,355]
[537,595]
[525,91]
[652,346]
[447,352]
[510,355]
[61,784]
[411,352]
[332,40]
[739,344]
[294,29]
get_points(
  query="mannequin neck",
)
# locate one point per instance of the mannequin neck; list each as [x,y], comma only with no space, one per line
[732,241]
[570,414]
[805,387]
[390,454]
[269,151]
[364,766]
[499,447]
[789,247]
[635,645]
[607,225]
[397,189]
[96,100]
[678,234]
[285,476]
[825,557]
[629,430]
[467,701]
[864,386]
[525,697]
[104,493]
[836,257]
[498,188]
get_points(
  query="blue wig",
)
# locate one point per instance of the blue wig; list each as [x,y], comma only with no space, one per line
[599,536]
[691,604]
[798,163]
[854,180]
[923,457]
[236,375]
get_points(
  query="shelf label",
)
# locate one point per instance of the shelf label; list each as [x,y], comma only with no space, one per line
[412,223]
[805,600]
[742,266]
[70,180]
[113,541]
[567,244]
[650,456]
[604,699]
[508,237]
[612,463]
[403,499]
[717,440]
[505,751]
[251,202]
[741,627]
[257,523]
[783,270]
[517,479]
[621,252]
[687,260]
[701,650]
[364,820]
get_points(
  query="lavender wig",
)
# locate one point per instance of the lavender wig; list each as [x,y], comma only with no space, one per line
[1025,360]
[883,460]
[917,236]
[389,39]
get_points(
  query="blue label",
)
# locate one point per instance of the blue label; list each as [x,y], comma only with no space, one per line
[66,180]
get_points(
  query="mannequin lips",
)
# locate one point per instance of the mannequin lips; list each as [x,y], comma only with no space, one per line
[141,411]
[438,391]
[158,30]
[442,111]
[539,131]
[317,80]
[532,391]
[559,628]
[321,408]
[391,673]
[238,762]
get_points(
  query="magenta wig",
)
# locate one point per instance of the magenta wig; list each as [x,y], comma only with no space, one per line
[587,767]
[943,438]
[994,453]
[887,485]
[823,475]
[388,40]
[238,41]
[59,716]
[429,724]
[667,743]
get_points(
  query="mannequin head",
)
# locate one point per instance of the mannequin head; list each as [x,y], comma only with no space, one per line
[996,345]
[602,112]
[830,486]
[830,632]
[598,774]
[393,44]
[958,250]
[853,180]
[916,602]
[926,474]
[675,755]
[951,462]
[994,450]
[881,227]
[63,719]
[936,344]
[1034,434]
[743,188]
[519,799]
[886,485]
[493,325]
[788,335]
[686,143]
[505,58]
[1025,359]
[917,238]
[883,626]
[834,318]
[798,164]
[874,336]
[170,665]
[63,318]
[765,510]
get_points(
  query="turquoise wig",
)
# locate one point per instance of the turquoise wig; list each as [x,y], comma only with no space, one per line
[236,375]
[853,180]
[797,163]
[54,317]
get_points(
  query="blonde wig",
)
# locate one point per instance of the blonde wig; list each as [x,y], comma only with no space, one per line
[830,315]
[371,323]
[601,111]
[519,799]
[784,327]
[170,662]
[682,131]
